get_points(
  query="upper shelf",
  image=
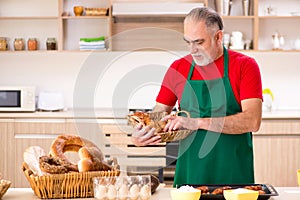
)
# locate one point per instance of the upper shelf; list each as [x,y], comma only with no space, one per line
[153,9]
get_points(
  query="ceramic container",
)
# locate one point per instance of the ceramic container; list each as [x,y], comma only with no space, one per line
[78,10]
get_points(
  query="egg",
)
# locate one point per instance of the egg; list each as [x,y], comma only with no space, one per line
[134,192]
[112,192]
[145,192]
[123,192]
[100,192]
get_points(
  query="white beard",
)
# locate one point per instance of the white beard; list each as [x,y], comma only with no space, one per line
[201,59]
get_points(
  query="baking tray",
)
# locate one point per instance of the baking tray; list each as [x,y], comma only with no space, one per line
[269,190]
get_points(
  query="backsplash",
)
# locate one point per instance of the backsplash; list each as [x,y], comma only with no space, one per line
[129,79]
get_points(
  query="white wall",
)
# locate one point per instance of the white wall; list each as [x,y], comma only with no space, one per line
[129,79]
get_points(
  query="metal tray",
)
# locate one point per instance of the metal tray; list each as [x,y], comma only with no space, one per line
[269,190]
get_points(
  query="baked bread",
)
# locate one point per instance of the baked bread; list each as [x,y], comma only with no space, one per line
[147,120]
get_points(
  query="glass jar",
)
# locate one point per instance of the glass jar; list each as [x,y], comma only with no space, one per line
[51,44]
[19,44]
[3,44]
[32,44]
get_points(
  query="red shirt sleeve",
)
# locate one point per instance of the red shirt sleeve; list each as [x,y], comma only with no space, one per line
[174,82]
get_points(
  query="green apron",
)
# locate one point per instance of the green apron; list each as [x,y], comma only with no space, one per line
[207,157]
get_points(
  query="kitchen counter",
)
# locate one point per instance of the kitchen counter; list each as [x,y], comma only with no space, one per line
[162,193]
[122,112]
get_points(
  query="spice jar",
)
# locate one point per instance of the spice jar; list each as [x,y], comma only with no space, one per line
[19,44]
[3,44]
[32,44]
[51,44]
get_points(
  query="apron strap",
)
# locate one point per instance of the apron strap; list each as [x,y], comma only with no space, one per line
[191,70]
[225,52]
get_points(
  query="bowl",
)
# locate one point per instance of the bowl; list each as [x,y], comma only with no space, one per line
[240,194]
[78,10]
[177,194]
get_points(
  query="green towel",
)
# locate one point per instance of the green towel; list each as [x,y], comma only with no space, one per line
[92,39]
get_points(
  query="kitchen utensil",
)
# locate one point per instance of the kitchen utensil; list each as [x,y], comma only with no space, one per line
[50,101]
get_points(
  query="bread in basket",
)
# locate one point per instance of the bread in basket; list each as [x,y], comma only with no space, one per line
[47,181]
[153,119]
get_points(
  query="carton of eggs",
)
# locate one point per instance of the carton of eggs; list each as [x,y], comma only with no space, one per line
[122,188]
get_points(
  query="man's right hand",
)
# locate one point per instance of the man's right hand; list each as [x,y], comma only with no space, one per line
[143,136]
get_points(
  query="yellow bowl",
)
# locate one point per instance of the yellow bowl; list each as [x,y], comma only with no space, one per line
[188,195]
[298,175]
[240,194]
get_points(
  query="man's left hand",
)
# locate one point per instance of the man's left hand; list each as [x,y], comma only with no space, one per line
[177,122]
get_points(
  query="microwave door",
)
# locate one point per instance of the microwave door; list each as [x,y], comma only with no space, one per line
[10,98]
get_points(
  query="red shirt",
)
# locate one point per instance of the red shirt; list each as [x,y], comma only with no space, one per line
[244,76]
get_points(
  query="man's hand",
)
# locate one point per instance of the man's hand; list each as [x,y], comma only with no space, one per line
[177,122]
[143,136]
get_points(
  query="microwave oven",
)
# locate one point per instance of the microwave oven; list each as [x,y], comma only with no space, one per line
[17,99]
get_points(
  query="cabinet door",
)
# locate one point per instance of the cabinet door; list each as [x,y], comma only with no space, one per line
[33,132]
[277,152]
[7,164]
[277,160]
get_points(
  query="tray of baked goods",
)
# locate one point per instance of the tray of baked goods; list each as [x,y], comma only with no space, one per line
[154,120]
[265,191]
[53,175]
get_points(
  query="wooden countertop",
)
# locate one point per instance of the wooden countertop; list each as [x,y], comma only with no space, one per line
[290,193]
[121,113]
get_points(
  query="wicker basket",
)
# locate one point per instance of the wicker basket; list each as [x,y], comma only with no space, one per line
[96,11]
[68,185]
[170,135]
[4,185]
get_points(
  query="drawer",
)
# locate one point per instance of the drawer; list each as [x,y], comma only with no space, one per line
[39,126]
[284,127]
